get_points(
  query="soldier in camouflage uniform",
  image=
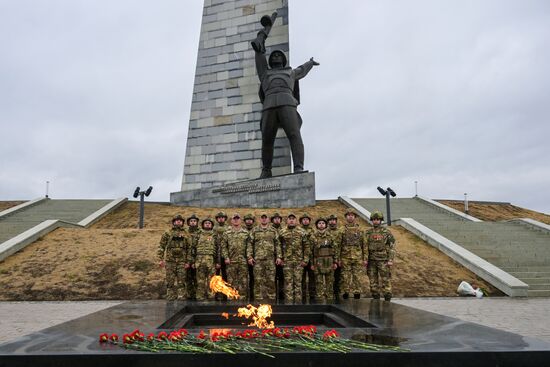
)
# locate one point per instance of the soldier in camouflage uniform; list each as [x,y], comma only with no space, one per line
[352,255]
[262,254]
[219,228]
[206,259]
[308,276]
[381,250]
[294,244]
[325,260]
[249,220]
[173,254]
[193,232]
[276,220]
[234,247]
[336,235]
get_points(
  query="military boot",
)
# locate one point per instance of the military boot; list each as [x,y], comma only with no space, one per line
[357,295]
[345,295]
[387,297]
[375,296]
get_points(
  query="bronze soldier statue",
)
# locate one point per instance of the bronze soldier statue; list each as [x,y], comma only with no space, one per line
[279,93]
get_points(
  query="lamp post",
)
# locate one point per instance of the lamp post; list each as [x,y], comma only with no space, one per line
[466,202]
[142,195]
[387,193]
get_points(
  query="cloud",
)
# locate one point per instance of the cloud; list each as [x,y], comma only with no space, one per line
[95,97]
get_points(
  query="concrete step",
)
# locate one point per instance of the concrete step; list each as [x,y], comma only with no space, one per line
[528,268]
[536,293]
[539,287]
[530,274]
[536,281]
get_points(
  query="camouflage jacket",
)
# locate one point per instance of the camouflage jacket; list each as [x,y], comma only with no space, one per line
[219,230]
[249,229]
[323,251]
[264,243]
[174,245]
[293,244]
[353,244]
[206,245]
[234,244]
[380,244]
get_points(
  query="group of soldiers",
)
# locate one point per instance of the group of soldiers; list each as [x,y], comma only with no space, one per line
[269,261]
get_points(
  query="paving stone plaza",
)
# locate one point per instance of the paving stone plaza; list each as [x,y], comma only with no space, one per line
[527,317]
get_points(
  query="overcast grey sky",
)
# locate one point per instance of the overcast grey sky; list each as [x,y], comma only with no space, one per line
[95,96]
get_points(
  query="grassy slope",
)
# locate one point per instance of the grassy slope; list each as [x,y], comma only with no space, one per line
[497,212]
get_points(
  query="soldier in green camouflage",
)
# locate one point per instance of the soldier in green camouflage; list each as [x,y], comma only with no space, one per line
[336,235]
[325,261]
[249,220]
[308,276]
[276,221]
[193,231]
[173,254]
[262,255]
[352,255]
[219,228]
[293,247]
[234,248]
[381,250]
[207,259]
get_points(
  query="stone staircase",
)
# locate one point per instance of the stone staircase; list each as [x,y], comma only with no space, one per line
[72,211]
[519,250]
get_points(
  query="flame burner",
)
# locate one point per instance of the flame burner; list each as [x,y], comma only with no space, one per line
[209,316]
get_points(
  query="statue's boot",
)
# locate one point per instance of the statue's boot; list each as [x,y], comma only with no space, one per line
[266,173]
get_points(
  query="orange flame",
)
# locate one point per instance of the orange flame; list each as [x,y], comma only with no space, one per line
[226,315]
[217,284]
[258,315]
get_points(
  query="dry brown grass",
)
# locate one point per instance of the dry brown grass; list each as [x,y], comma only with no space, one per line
[8,204]
[497,212]
[115,260]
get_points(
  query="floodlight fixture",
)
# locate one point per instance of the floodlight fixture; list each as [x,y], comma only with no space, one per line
[142,195]
[392,193]
[387,193]
[381,191]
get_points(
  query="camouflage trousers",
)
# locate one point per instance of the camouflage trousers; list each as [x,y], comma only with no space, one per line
[264,279]
[237,276]
[293,273]
[191,281]
[175,280]
[351,279]
[324,286]
[308,282]
[379,277]
[204,266]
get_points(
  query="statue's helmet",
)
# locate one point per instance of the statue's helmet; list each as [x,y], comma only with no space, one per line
[377,215]
[279,52]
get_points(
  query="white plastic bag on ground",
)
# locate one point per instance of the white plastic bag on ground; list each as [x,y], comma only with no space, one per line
[465,289]
[479,293]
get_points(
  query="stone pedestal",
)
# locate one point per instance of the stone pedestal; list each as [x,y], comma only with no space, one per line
[287,191]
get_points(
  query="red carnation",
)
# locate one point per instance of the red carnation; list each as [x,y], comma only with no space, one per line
[127,339]
[114,338]
[151,337]
[104,338]
[183,332]
[202,335]
[162,335]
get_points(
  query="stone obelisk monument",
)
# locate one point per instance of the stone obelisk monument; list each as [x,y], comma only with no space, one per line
[224,140]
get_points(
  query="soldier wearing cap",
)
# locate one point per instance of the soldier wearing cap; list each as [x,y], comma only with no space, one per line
[193,231]
[173,254]
[325,260]
[292,255]
[234,246]
[308,276]
[219,229]
[249,220]
[276,221]
[262,255]
[207,259]
[353,256]
[336,235]
[381,253]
